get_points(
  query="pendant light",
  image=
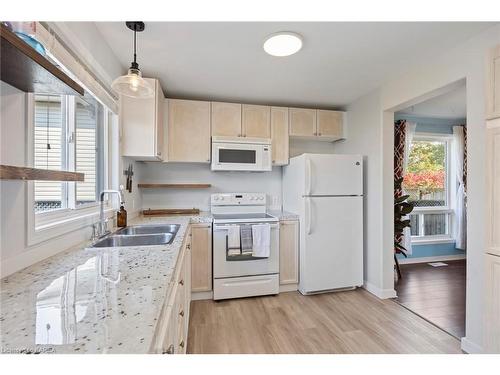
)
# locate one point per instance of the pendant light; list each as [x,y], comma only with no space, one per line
[132,84]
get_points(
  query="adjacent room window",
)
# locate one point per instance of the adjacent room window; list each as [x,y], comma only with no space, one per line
[68,135]
[427,182]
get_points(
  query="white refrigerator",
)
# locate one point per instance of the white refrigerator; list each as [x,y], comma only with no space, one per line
[326,191]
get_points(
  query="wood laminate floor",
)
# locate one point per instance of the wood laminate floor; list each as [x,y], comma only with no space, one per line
[435,293]
[342,322]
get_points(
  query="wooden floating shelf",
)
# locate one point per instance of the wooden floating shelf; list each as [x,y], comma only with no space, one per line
[24,68]
[9,172]
[171,211]
[174,186]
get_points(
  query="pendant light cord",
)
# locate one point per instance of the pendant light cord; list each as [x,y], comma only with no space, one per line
[135,44]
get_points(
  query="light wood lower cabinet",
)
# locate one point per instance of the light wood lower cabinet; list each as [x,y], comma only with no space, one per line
[492,329]
[172,328]
[289,252]
[188,131]
[201,262]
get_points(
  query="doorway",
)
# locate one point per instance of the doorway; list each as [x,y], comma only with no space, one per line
[430,156]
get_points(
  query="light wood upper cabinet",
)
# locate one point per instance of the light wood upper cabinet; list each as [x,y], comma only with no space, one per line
[226,119]
[492,282]
[201,261]
[493,186]
[493,84]
[188,131]
[279,135]
[256,121]
[302,122]
[142,125]
[330,124]
[289,252]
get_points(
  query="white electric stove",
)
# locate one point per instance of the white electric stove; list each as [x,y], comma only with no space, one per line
[244,275]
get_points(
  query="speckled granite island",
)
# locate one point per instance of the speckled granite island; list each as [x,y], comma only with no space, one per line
[97,300]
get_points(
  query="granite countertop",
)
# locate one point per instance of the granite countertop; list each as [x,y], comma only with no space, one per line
[100,300]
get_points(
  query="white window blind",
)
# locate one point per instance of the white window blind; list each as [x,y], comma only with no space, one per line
[48,150]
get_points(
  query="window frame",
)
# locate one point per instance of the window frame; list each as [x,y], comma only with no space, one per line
[43,226]
[448,207]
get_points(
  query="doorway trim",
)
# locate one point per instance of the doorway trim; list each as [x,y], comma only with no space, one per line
[388,175]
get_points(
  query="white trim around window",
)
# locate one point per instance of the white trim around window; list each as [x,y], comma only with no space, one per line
[48,225]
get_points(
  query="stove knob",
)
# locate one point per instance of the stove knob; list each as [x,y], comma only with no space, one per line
[252,198]
[216,198]
[261,198]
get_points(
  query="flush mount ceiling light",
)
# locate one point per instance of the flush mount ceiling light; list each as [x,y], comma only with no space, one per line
[283,44]
[132,84]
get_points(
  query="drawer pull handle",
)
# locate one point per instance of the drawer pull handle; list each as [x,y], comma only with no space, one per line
[181,282]
[181,313]
[181,344]
[170,350]
[188,246]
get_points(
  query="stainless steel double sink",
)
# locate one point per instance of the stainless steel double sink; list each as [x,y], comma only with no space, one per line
[140,235]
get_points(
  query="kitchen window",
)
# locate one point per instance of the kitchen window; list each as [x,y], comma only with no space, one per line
[427,181]
[68,135]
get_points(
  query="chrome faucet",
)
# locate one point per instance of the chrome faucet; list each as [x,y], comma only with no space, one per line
[102,229]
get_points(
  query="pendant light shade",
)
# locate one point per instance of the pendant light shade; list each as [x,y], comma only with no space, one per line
[132,84]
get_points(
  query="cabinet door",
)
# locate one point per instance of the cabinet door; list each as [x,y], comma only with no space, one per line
[226,119]
[256,120]
[169,340]
[279,135]
[302,122]
[493,84]
[330,124]
[493,186]
[159,120]
[138,126]
[289,252]
[188,131]
[201,258]
[492,329]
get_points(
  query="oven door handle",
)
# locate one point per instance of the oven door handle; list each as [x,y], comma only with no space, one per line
[225,227]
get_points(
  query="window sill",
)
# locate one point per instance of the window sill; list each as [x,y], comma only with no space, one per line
[45,231]
[431,241]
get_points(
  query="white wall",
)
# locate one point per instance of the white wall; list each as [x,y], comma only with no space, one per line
[151,172]
[365,138]
[371,132]
[14,252]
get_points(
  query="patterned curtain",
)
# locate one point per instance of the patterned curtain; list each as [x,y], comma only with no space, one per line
[399,152]
[399,157]
[465,162]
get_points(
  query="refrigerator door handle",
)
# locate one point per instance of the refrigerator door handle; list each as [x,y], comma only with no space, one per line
[308,176]
[308,217]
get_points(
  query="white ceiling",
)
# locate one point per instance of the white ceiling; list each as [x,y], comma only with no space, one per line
[452,105]
[339,62]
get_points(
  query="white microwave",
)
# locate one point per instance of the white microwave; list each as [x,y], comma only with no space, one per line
[241,154]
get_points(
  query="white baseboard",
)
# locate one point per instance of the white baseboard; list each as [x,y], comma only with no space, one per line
[470,347]
[288,288]
[380,293]
[440,258]
[199,296]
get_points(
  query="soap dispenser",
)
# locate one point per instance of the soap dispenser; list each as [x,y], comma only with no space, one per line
[121,217]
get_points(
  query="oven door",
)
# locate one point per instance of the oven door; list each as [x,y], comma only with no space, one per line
[240,157]
[228,266]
